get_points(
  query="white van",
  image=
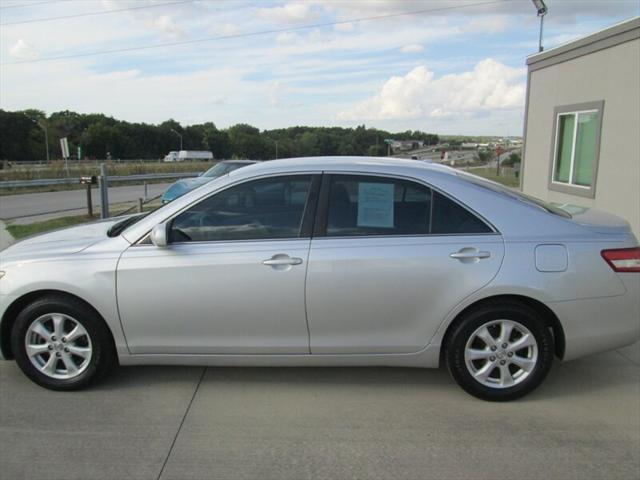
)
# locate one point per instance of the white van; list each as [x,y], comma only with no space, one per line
[183,155]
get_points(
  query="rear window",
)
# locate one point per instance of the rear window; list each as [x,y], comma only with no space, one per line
[501,189]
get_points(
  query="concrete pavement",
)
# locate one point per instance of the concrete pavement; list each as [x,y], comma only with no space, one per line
[279,423]
[72,201]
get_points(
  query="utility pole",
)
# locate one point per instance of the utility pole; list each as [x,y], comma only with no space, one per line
[179,136]
[276,149]
[103,182]
[46,135]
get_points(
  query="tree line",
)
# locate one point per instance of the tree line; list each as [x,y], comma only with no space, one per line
[99,136]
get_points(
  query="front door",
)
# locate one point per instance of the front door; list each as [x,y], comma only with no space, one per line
[230,281]
[390,259]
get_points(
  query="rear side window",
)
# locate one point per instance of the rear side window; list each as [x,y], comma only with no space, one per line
[449,217]
[363,205]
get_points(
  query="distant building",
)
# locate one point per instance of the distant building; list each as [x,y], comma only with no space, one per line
[582,123]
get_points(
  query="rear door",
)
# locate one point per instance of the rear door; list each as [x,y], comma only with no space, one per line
[389,259]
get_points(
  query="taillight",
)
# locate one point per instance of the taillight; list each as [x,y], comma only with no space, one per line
[623,259]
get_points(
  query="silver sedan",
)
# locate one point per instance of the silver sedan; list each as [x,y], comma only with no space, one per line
[327,262]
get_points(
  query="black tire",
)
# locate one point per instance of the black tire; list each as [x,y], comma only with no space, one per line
[471,322]
[103,355]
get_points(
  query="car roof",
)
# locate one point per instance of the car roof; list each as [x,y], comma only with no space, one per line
[248,162]
[509,215]
[302,164]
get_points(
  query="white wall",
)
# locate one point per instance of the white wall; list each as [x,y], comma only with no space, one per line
[612,75]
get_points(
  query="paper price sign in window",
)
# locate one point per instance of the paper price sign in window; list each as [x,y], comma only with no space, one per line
[375,205]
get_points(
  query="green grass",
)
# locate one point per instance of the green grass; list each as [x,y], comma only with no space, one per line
[490,174]
[85,168]
[21,231]
[56,169]
[60,188]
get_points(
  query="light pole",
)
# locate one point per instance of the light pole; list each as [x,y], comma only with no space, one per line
[542,11]
[179,136]
[46,135]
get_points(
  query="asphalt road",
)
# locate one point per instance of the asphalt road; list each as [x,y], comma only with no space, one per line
[35,204]
[279,423]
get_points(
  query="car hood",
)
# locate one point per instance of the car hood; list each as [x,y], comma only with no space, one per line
[64,241]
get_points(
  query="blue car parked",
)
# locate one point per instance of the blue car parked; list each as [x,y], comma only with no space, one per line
[187,184]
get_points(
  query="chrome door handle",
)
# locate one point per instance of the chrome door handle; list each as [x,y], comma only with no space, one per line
[470,254]
[282,261]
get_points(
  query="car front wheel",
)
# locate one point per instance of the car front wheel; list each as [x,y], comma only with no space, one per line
[500,352]
[61,344]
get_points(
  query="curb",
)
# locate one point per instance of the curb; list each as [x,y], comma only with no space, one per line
[5,237]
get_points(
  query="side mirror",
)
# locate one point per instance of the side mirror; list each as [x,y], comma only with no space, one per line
[160,235]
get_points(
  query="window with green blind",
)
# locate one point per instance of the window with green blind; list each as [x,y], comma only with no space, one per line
[585,148]
[576,147]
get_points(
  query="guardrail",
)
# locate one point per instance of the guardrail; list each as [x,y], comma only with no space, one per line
[45,182]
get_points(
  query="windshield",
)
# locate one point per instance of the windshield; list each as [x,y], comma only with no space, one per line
[496,187]
[222,168]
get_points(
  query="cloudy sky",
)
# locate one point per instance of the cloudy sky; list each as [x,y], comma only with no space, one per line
[444,66]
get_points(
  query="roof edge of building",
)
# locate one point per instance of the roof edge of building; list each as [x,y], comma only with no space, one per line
[620,33]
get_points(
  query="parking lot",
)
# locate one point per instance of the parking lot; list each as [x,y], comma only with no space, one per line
[294,423]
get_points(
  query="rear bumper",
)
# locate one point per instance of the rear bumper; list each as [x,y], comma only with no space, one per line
[601,324]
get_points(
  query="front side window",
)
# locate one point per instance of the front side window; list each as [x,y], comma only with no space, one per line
[363,205]
[576,148]
[269,208]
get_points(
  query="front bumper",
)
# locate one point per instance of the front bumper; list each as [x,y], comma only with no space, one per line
[5,301]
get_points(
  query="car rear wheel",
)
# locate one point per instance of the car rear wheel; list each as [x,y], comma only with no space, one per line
[500,352]
[62,344]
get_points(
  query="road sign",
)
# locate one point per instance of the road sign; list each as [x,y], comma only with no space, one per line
[64,146]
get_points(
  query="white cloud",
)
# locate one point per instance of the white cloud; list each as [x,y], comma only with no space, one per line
[287,38]
[490,86]
[227,29]
[559,11]
[489,24]
[289,13]
[130,94]
[256,78]
[22,50]
[165,24]
[278,94]
[412,48]
[344,27]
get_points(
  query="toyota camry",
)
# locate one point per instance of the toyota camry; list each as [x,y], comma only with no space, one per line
[327,262]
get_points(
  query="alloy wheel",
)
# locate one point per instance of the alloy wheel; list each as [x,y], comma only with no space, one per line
[58,346]
[501,354]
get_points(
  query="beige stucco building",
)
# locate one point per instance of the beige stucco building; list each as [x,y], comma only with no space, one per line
[582,123]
